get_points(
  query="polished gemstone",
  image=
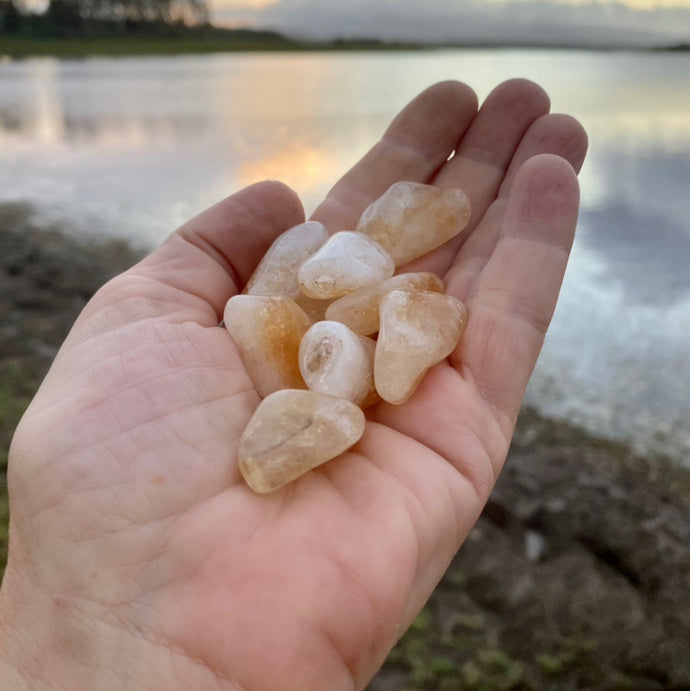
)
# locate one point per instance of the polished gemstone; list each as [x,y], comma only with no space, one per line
[346,262]
[268,331]
[418,329]
[336,361]
[277,271]
[294,431]
[411,219]
[360,309]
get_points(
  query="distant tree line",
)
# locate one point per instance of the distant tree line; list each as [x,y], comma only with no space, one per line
[72,18]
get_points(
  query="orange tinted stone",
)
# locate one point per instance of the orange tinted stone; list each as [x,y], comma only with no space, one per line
[418,329]
[360,309]
[268,331]
[292,432]
[411,219]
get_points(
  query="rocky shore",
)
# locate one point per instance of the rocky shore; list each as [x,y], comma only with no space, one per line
[576,576]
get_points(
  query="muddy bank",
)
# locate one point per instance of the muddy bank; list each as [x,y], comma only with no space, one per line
[576,576]
[45,281]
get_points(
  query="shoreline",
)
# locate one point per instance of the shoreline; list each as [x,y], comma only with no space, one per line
[574,577]
[20,47]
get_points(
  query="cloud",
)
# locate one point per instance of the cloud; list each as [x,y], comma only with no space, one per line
[472,21]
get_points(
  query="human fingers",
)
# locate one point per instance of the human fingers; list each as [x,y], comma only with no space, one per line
[483,157]
[513,300]
[414,147]
[556,134]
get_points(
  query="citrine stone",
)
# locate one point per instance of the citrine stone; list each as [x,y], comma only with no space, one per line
[276,273]
[268,331]
[346,262]
[411,219]
[360,309]
[292,432]
[418,330]
[336,361]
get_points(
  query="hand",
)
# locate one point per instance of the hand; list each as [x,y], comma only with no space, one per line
[140,559]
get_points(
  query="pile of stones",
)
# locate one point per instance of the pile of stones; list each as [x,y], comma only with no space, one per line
[306,328]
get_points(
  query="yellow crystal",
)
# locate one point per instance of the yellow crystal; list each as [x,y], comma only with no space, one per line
[411,219]
[268,331]
[360,309]
[418,329]
[277,271]
[292,432]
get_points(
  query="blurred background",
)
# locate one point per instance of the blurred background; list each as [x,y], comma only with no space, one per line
[120,120]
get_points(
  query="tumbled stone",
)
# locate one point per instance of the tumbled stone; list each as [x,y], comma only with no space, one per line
[346,262]
[418,329]
[360,309]
[292,432]
[411,219]
[277,271]
[336,361]
[268,331]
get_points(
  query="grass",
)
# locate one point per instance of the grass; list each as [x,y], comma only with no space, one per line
[115,46]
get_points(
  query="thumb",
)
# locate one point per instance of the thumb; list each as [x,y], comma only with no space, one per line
[209,259]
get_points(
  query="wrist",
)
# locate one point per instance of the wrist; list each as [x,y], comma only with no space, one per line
[56,642]
[53,642]
[35,639]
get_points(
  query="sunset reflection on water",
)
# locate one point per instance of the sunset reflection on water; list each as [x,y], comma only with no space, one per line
[133,147]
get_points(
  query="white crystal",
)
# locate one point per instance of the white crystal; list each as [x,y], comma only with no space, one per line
[277,271]
[336,361]
[346,262]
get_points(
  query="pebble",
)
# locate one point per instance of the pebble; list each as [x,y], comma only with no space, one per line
[302,329]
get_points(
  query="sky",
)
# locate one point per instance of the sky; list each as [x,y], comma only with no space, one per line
[641,22]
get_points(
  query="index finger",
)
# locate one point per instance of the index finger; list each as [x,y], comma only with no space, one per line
[416,144]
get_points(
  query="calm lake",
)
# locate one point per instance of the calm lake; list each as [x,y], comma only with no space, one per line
[133,147]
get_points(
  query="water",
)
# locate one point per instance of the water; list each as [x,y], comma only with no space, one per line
[133,147]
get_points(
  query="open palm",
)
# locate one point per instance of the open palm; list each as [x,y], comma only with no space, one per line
[139,558]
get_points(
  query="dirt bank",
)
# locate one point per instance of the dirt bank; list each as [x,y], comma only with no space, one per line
[576,576]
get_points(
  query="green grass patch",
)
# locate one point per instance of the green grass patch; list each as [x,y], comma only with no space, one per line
[115,46]
[118,46]
[422,622]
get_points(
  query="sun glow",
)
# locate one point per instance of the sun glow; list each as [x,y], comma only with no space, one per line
[244,4]
[632,4]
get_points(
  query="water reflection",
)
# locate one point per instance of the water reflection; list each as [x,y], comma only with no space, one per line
[32,107]
[134,147]
[647,254]
[639,223]
[299,166]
